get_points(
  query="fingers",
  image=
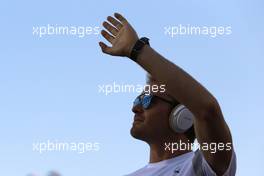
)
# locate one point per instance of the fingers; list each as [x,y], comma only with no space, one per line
[107,36]
[120,17]
[110,28]
[105,49]
[116,23]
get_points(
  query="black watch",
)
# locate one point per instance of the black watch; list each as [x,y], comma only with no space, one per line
[138,47]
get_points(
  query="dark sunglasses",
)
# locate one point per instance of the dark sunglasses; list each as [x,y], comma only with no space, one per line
[145,100]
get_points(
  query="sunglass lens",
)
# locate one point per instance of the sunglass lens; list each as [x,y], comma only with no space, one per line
[146,101]
[136,101]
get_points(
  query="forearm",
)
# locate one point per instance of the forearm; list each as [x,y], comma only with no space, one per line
[179,84]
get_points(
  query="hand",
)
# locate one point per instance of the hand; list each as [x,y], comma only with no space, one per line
[120,34]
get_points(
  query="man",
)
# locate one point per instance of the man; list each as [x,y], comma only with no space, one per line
[154,120]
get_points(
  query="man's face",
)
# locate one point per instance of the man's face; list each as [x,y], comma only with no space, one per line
[152,123]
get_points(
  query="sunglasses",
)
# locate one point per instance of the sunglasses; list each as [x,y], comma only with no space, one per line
[145,100]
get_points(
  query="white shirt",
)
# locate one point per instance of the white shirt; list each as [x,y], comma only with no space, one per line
[188,164]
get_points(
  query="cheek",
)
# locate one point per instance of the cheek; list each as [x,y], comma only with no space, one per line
[158,118]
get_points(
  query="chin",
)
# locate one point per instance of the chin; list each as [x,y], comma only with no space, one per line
[137,132]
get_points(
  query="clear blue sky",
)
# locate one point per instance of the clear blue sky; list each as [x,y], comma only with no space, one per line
[49,85]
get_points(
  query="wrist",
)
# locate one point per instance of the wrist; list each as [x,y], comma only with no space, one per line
[130,48]
[138,47]
[142,53]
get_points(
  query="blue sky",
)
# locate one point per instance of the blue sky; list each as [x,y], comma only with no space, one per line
[49,85]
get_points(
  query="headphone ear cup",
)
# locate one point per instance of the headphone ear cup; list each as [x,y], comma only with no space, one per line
[181,119]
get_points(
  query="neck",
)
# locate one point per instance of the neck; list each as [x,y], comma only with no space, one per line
[159,151]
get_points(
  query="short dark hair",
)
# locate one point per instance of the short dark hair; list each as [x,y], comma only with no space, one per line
[149,78]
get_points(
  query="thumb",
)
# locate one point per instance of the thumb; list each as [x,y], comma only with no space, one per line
[105,49]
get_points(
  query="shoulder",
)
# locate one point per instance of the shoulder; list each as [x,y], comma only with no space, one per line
[201,167]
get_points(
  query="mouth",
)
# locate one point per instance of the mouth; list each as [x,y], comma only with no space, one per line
[138,119]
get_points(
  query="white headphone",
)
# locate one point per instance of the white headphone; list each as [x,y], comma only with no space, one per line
[181,119]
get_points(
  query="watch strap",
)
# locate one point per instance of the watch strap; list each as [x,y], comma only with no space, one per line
[138,47]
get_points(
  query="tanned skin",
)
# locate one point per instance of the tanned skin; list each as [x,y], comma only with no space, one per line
[209,123]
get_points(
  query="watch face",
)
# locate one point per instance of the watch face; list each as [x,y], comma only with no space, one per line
[145,40]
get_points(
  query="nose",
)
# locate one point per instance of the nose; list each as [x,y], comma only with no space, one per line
[137,109]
